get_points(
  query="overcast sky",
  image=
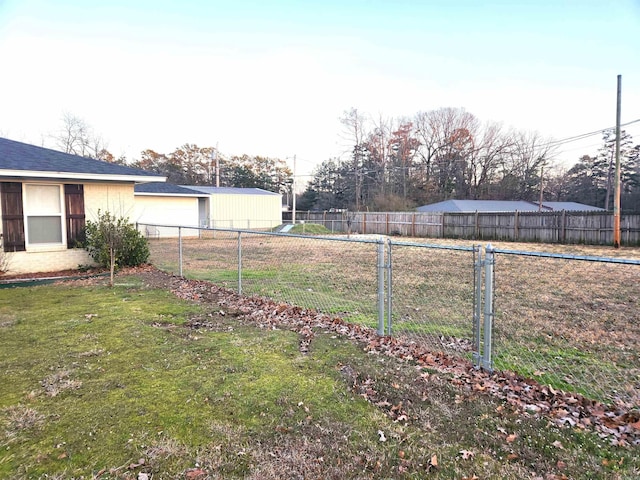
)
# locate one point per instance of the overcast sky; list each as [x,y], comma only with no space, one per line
[272,78]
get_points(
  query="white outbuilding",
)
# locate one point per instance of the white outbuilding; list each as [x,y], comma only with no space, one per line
[243,208]
[203,206]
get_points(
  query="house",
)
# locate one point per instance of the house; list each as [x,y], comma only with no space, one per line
[204,206]
[46,198]
[484,206]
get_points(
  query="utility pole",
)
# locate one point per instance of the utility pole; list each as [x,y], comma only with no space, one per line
[217,166]
[616,199]
[357,174]
[293,192]
[541,188]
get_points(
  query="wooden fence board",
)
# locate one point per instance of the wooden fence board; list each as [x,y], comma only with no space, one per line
[591,228]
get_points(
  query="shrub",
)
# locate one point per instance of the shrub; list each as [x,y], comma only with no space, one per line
[135,250]
[115,242]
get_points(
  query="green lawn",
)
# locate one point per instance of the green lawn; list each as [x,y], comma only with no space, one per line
[99,382]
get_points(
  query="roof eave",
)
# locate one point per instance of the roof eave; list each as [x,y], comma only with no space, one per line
[160,194]
[82,176]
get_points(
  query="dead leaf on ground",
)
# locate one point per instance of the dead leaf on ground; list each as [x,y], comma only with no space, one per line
[466,454]
[195,474]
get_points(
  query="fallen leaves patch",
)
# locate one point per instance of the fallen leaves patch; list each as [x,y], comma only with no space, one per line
[618,423]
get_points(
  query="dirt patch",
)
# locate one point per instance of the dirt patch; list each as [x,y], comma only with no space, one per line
[58,382]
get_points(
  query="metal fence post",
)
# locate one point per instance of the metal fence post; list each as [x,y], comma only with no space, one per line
[489,260]
[389,289]
[239,263]
[381,287]
[180,249]
[477,304]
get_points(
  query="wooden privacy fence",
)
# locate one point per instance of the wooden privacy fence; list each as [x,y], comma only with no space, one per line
[590,228]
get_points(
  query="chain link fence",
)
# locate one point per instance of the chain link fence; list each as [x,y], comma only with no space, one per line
[569,322]
[335,276]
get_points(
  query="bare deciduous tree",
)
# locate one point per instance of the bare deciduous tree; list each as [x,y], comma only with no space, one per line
[78,138]
[354,135]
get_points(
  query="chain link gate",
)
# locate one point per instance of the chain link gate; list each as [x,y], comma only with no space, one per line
[432,295]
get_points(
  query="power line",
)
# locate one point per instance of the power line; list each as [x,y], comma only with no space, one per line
[582,147]
[575,138]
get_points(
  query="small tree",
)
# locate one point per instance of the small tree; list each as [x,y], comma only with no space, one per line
[114,242]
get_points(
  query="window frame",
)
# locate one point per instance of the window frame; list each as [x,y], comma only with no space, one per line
[61,217]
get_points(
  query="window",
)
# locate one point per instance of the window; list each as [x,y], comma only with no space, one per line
[40,208]
[43,214]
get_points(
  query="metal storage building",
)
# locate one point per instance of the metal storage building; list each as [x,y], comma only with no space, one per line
[203,206]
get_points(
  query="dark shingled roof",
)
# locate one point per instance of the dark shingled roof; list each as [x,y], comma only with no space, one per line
[230,190]
[22,156]
[162,188]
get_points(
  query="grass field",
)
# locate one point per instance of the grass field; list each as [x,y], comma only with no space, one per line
[572,324]
[130,383]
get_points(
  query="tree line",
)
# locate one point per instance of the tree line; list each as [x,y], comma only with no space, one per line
[188,164]
[193,165]
[397,164]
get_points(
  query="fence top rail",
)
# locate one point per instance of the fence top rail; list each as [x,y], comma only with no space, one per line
[165,225]
[373,239]
[433,245]
[378,238]
[564,256]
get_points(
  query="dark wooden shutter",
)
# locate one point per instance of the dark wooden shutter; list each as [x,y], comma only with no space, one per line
[74,207]
[12,217]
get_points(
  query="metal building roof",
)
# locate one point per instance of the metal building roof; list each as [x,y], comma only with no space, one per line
[572,206]
[468,206]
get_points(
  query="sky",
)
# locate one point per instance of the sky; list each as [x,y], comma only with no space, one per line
[274,77]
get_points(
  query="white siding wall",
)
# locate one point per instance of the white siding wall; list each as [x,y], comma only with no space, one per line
[164,210]
[245,211]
